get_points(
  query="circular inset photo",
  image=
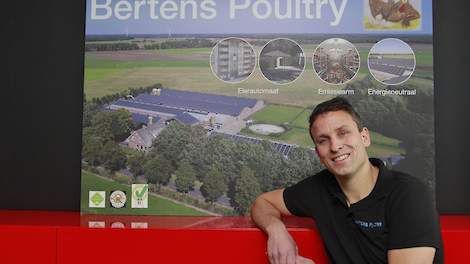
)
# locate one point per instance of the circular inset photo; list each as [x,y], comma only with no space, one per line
[282,61]
[391,61]
[233,60]
[336,61]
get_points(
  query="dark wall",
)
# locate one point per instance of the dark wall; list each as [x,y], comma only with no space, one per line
[41,97]
[452,108]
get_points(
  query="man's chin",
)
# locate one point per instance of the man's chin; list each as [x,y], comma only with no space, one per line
[339,171]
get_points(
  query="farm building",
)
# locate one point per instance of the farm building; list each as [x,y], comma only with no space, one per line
[142,138]
[214,112]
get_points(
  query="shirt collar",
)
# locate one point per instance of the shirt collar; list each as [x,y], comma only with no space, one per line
[377,192]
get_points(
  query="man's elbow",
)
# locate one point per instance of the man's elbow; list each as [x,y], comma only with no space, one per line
[270,203]
[258,204]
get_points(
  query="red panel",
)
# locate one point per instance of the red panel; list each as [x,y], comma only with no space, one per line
[174,246]
[38,218]
[56,237]
[456,238]
[28,245]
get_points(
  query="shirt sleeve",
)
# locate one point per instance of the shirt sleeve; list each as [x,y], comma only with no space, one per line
[412,217]
[300,198]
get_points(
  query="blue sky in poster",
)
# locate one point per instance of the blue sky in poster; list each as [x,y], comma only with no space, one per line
[323,20]
[391,45]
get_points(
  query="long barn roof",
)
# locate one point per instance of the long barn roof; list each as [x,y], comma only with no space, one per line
[178,114]
[201,102]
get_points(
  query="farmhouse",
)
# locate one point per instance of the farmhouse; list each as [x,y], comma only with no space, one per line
[142,139]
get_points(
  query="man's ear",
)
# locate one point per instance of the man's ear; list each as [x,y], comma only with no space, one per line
[365,136]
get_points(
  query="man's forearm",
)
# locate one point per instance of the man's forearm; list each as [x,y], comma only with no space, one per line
[266,216]
[266,213]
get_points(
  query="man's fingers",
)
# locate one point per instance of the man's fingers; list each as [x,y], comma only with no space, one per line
[302,260]
[271,258]
[274,257]
[291,258]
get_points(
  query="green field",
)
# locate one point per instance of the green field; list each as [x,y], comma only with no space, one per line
[188,69]
[383,146]
[93,63]
[186,51]
[157,206]
[277,114]
[302,93]
[296,119]
[101,73]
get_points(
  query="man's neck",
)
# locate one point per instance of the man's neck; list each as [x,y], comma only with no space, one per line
[360,185]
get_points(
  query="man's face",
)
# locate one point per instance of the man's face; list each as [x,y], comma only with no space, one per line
[340,145]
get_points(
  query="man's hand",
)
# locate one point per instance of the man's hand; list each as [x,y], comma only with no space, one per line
[302,260]
[266,213]
[281,247]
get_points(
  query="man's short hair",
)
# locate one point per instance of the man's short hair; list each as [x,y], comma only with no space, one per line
[332,105]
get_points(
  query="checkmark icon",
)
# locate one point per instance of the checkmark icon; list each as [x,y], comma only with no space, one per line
[140,196]
[142,192]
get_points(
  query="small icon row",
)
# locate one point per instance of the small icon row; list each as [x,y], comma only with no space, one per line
[118,198]
[102,224]
[335,61]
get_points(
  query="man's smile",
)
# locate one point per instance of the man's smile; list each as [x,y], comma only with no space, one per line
[340,158]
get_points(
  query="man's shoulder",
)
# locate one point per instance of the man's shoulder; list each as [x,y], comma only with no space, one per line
[317,180]
[320,177]
[400,184]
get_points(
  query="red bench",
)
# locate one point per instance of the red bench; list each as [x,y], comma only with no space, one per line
[67,237]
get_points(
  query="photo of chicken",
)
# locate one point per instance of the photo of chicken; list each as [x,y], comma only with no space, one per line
[392,14]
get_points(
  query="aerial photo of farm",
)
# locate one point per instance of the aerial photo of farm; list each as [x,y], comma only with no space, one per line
[150,88]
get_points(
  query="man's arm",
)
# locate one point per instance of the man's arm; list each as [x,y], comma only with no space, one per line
[415,255]
[266,213]
[413,224]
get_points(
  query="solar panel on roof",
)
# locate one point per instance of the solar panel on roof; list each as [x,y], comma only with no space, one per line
[143,119]
[221,104]
[280,147]
[180,115]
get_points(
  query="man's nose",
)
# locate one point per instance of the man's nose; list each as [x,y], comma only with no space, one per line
[336,145]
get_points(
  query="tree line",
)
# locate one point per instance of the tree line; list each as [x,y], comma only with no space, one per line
[111,46]
[103,130]
[168,44]
[178,44]
[238,169]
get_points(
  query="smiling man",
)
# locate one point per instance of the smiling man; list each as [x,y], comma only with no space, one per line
[364,212]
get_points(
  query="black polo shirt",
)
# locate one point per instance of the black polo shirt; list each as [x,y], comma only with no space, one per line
[398,213]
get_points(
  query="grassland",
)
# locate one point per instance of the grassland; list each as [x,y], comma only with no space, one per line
[302,92]
[188,69]
[157,206]
[277,114]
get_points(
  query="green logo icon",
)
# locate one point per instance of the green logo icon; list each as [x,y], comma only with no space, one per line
[96,199]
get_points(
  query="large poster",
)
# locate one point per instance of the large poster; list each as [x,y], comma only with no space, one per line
[195,107]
